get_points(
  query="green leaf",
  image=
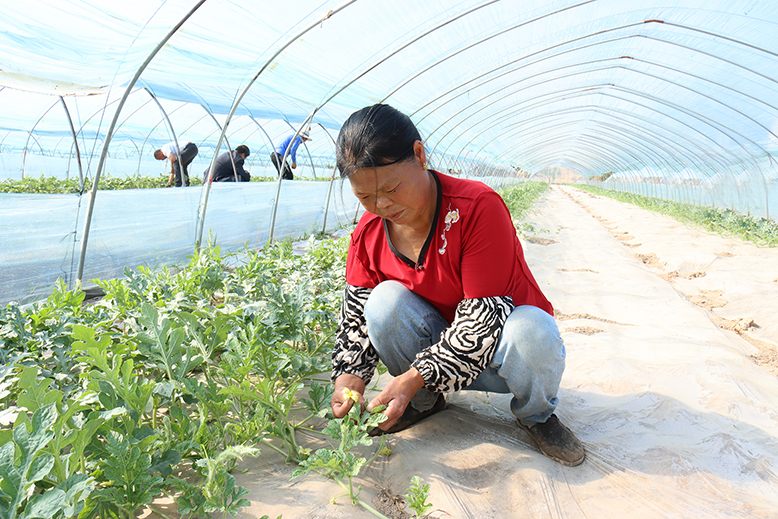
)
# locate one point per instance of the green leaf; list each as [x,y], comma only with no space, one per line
[97,507]
[39,468]
[44,506]
[36,393]
[77,488]
[166,462]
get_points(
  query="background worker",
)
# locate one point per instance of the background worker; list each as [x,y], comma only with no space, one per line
[291,143]
[179,158]
[223,170]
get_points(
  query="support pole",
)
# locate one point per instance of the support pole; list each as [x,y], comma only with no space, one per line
[75,143]
[104,153]
[280,177]
[229,148]
[169,125]
[332,181]
[206,190]
[29,136]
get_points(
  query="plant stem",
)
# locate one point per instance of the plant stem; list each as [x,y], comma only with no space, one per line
[285,454]
[156,511]
[362,503]
[378,451]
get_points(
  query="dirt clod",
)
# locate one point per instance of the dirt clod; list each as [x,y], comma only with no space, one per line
[391,505]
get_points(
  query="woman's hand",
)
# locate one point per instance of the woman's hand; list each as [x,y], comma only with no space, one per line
[397,395]
[341,404]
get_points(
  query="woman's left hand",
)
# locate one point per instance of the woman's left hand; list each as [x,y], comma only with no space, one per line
[397,395]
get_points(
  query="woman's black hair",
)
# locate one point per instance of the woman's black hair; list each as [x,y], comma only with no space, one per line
[374,136]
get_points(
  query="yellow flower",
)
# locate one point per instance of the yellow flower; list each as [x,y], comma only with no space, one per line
[353,395]
[386,451]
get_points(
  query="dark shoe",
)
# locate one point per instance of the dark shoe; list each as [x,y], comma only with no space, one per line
[556,441]
[410,417]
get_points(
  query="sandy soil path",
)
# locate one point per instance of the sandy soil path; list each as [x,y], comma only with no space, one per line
[670,337]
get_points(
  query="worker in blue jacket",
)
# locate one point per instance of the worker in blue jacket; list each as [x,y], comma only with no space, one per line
[291,143]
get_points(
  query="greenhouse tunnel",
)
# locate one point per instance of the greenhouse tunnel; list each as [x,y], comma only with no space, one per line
[673,100]
[676,102]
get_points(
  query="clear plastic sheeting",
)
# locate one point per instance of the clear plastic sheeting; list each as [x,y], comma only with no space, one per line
[678,99]
[592,85]
[150,227]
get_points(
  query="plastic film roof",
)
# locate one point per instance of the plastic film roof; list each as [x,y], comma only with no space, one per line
[640,88]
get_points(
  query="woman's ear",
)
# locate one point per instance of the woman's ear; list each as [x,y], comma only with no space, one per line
[421,154]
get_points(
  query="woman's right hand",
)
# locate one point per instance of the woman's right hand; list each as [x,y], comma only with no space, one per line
[341,404]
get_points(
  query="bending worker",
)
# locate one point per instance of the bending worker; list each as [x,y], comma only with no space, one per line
[179,158]
[223,170]
[439,290]
[291,143]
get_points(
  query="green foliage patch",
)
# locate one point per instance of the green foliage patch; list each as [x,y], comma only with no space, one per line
[520,198]
[726,222]
[54,185]
[175,367]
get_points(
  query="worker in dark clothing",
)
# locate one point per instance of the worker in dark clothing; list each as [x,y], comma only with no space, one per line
[224,170]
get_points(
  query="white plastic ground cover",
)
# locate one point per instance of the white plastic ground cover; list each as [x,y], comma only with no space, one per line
[41,234]
[677,420]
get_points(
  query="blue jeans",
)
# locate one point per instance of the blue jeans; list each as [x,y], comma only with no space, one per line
[528,363]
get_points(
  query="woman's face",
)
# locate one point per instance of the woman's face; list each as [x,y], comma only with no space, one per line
[402,192]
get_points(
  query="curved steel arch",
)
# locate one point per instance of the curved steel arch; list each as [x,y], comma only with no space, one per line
[479,42]
[236,102]
[668,152]
[104,153]
[757,166]
[338,91]
[597,109]
[602,93]
[75,142]
[310,157]
[597,141]
[269,140]
[29,136]
[694,114]
[104,108]
[548,147]
[169,124]
[552,114]
[479,100]
[615,158]
[642,136]
[229,148]
[717,57]
[576,88]
[655,142]
[647,151]
[578,159]
[206,107]
[580,48]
